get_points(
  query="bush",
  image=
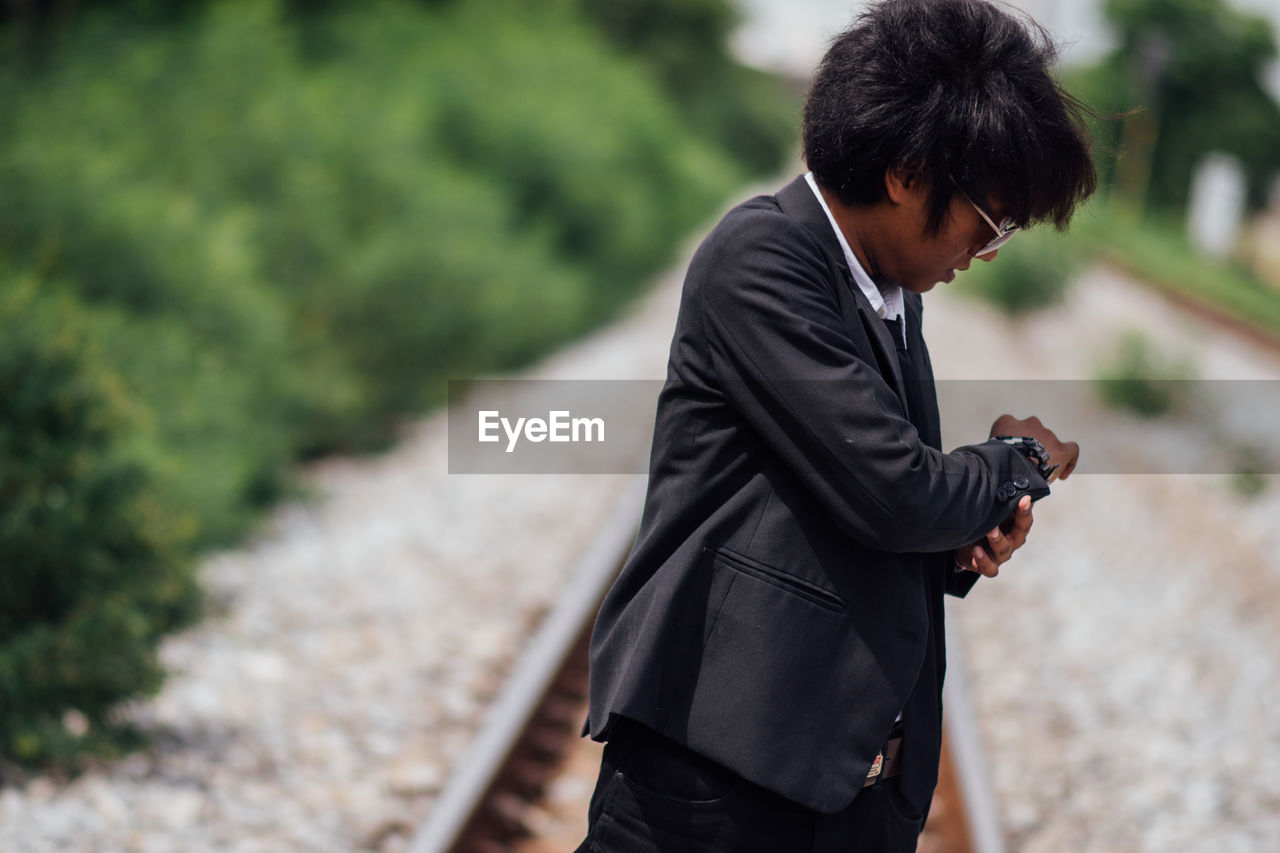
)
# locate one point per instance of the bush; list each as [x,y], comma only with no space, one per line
[420,215]
[237,236]
[91,577]
[1031,272]
[684,43]
[1142,380]
[1250,470]
[492,207]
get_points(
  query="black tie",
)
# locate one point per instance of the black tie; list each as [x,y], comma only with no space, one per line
[909,374]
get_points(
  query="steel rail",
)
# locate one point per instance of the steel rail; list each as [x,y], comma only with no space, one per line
[531,678]
[462,801]
[961,726]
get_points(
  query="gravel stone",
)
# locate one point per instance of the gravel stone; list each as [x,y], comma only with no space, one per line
[1123,671]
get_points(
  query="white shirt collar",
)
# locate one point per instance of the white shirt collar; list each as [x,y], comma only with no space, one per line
[887,303]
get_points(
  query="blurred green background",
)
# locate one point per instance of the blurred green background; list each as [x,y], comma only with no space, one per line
[235,235]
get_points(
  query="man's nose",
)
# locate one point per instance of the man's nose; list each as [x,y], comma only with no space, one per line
[989,256]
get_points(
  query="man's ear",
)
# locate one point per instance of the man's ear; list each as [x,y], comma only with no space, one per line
[902,182]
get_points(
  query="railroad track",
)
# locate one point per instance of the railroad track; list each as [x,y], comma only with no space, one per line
[535,723]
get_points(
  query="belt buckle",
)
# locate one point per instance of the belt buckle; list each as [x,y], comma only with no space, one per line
[876,766]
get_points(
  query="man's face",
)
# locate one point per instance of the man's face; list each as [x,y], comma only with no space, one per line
[917,260]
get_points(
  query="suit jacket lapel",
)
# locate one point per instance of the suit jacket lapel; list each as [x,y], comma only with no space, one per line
[798,202]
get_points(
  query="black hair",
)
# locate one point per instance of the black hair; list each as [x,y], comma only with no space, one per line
[959,94]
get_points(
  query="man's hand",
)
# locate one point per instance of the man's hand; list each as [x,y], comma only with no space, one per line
[1063,454]
[986,555]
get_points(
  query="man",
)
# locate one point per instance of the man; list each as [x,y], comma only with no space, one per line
[767,669]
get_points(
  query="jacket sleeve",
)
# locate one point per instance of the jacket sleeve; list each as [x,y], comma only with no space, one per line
[787,364]
[958,581]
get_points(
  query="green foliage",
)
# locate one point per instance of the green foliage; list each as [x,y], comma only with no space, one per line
[1194,68]
[246,236]
[678,35]
[353,231]
[685,45]
[1030,273]
[1142,380]
[606,188]
[1251,468]
[194,342]
[90,577]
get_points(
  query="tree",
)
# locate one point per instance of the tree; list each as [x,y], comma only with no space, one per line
[1195,69]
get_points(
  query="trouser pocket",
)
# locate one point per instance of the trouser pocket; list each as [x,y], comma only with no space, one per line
[655,796]
[660,768]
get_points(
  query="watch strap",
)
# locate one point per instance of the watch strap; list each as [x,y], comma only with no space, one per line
[1033,450]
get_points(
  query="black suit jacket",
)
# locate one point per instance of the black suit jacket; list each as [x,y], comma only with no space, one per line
[774,613]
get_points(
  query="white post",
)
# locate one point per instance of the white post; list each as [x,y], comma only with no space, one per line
[1216,205]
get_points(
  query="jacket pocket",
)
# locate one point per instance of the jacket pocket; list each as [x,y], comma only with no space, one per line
[786,581]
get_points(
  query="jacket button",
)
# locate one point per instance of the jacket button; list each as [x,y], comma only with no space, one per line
[1021,482]
[1005,491]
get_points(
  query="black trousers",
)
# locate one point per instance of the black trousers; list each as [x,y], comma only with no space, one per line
[655,796]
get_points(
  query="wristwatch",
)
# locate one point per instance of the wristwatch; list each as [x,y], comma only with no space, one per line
[1033,450]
